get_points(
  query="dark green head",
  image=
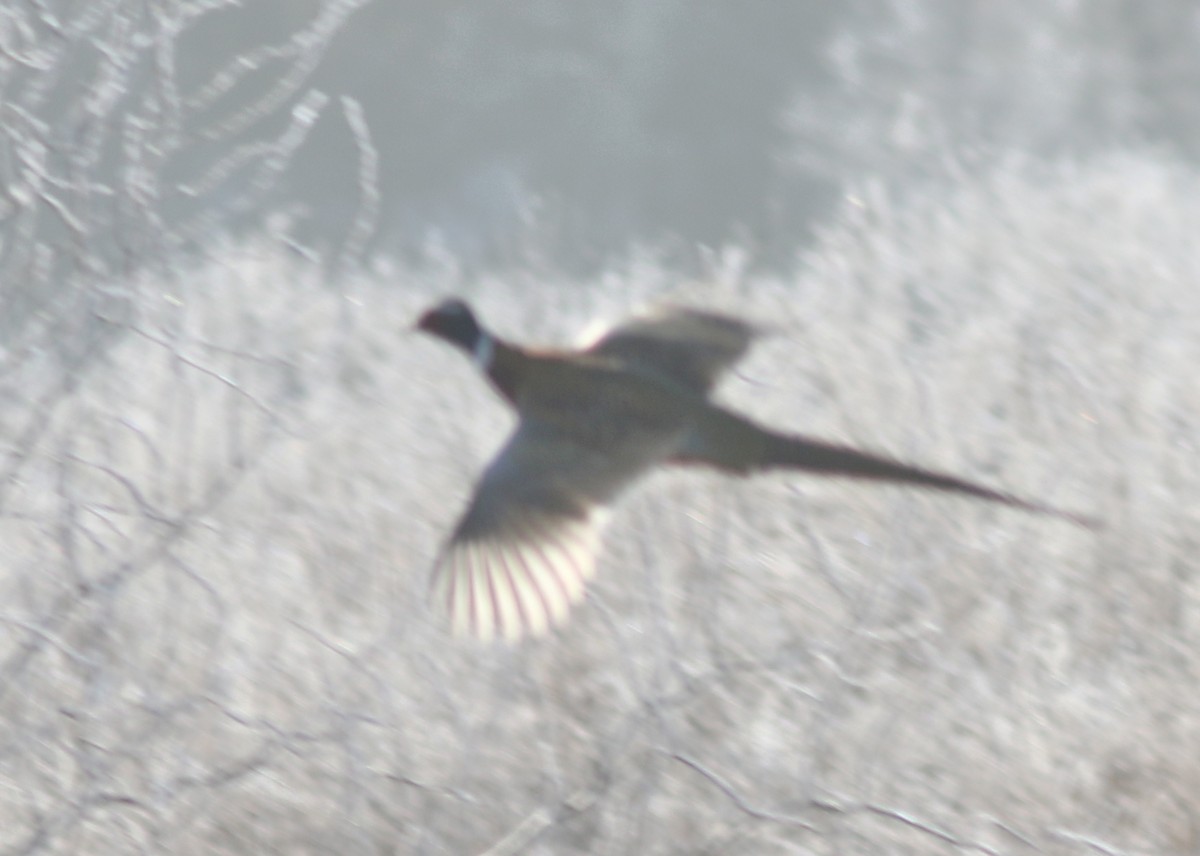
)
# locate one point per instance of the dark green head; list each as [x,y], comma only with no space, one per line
[454,321]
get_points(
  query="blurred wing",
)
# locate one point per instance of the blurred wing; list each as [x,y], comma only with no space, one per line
[688,346]
[526,546]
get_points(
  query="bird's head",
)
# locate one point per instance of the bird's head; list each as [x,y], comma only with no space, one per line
[454,321]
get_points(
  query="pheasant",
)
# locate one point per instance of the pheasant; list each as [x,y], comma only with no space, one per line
[590,423]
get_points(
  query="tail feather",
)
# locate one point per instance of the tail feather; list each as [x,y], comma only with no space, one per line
[737,445]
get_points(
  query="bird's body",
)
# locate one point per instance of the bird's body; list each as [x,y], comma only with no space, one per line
[592,422]
[606,406]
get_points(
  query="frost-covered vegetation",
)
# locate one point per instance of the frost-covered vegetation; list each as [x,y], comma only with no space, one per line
[226,464]
[217,538]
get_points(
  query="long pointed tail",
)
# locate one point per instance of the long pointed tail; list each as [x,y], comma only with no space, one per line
[731,443]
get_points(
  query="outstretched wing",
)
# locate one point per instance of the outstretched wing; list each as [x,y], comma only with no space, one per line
[688,346]
[526,546]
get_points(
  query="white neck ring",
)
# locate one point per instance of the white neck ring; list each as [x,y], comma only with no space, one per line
[484,352]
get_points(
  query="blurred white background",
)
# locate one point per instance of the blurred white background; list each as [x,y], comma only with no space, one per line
[227,462]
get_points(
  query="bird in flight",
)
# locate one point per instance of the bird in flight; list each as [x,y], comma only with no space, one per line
[590,423]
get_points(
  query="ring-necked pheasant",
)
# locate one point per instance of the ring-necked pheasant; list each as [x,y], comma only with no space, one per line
[590,423]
